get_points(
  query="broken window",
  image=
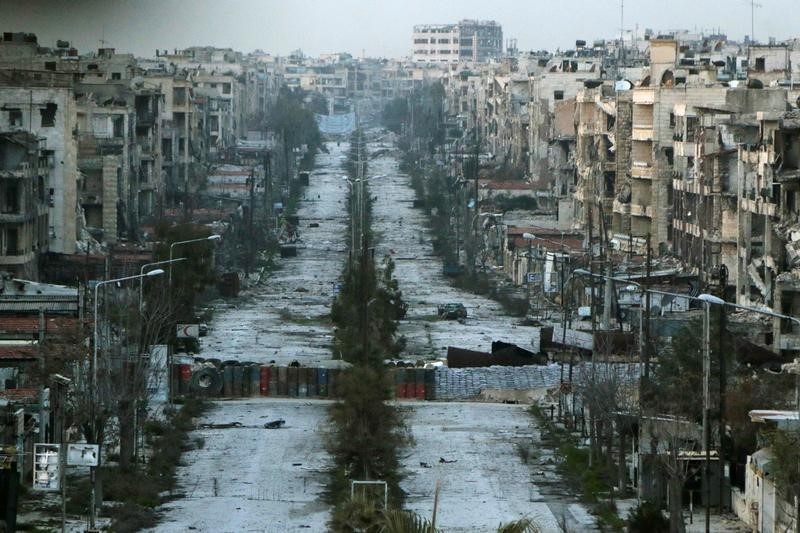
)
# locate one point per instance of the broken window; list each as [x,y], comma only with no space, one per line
[9,200]
[558,95]
[11,244]
[672,120]
[226,88]
[15,117]
[691,126]
[48,115]
[179,95]
[119,126]
[761,64]
[670,155]
[50,65]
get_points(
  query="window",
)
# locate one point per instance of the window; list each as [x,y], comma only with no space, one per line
[119,126]
[558,95]
[9,200]
[15,117]
[11,245]
[761,64]
[672,120]
[48,114]
[50,65]
[691,127]
[116,76]
[226,88]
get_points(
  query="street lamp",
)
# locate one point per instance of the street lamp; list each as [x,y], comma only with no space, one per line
[141,273]
[174,244]
[707,300]
[157,272]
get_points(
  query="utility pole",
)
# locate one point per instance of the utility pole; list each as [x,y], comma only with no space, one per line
[251,235]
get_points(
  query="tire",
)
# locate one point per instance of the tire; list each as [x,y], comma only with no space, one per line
[206,382]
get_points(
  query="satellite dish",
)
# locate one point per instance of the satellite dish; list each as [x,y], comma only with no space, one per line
[623,85]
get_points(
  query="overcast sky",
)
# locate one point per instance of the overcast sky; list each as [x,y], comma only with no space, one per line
[374,27]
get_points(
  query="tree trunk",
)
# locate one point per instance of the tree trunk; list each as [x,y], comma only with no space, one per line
[622,475]
[126,432]
[676,505]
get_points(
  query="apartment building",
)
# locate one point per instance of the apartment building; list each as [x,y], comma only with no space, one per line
[768,194]
[42,103]
[475,41]
[24,167]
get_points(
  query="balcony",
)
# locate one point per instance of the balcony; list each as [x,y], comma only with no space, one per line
[145,119]
[639,210]
[642,170]
[684,148]
[644,96]
[642,132]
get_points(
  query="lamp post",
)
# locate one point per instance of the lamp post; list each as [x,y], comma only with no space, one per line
[791,368]
[93,396]
[174,244]
[707,301]
[352,216]
[141,273]
[529,237]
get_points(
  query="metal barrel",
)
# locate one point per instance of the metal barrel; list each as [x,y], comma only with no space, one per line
[186,378]
[227,381]
[255,380]
[333,382]
[237,381]
[273,380]
[410,383]
[265,381]
[175,379]
[292,381]
[322,382]
[302,382]
[283,375]
[312,383]
[246,381]
[397,377]
[419,382]
[430,383]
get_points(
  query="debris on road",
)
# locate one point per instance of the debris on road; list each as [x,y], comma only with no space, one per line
[275,424]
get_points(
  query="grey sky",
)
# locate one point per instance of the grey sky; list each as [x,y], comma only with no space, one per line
[378,27]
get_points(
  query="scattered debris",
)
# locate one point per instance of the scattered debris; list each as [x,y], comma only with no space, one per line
[445,461]
[221,426]
[275,424]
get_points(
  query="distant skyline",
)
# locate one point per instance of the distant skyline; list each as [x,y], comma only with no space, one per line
[375,28]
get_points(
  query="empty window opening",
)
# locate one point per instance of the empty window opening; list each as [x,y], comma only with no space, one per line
[48,115]
[15,117]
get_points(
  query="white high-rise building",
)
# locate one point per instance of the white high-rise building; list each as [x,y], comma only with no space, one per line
[476,41]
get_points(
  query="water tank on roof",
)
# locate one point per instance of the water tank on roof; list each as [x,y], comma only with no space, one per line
[62,44]
[580,44]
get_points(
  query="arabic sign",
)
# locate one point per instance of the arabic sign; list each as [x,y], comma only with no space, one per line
[83,454]
[46,467]
[533,277]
